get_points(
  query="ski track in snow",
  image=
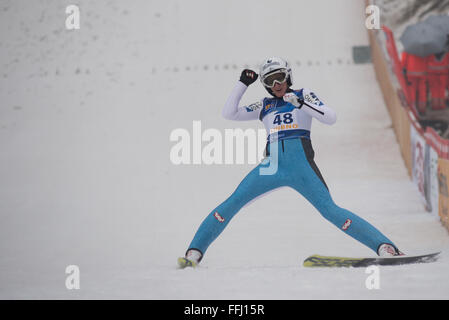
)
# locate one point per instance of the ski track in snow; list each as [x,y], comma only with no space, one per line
[86,177]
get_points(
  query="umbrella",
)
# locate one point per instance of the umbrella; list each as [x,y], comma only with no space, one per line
[440,22]
[422,39]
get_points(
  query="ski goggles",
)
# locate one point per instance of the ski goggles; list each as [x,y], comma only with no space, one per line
[279,76]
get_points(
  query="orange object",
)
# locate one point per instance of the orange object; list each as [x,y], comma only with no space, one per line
[438,72]
[415,70]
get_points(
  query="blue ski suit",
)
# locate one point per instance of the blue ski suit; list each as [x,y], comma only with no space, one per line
[289,162]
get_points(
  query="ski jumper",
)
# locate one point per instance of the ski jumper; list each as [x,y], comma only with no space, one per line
[289,163]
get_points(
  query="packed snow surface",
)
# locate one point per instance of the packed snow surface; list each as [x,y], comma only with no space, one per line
[86,177]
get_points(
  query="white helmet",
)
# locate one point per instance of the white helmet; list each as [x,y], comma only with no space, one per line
[273,64]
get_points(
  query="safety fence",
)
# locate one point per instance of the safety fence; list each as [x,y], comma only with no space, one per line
[425,152]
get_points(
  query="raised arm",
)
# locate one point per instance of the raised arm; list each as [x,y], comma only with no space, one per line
[231,109]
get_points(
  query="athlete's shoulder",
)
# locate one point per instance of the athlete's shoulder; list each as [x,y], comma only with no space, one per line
[267,101]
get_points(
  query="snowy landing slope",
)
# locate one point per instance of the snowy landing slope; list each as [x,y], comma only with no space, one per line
[86,178]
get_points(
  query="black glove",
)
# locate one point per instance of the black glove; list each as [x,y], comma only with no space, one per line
[248,76]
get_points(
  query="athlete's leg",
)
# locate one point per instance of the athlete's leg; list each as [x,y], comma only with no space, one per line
[307,180]
[252,186]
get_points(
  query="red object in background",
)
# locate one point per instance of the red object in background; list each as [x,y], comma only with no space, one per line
[415,70]
[390,45]
[438,78]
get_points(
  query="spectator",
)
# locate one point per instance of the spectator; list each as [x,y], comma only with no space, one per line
[415,73]
[438,72]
